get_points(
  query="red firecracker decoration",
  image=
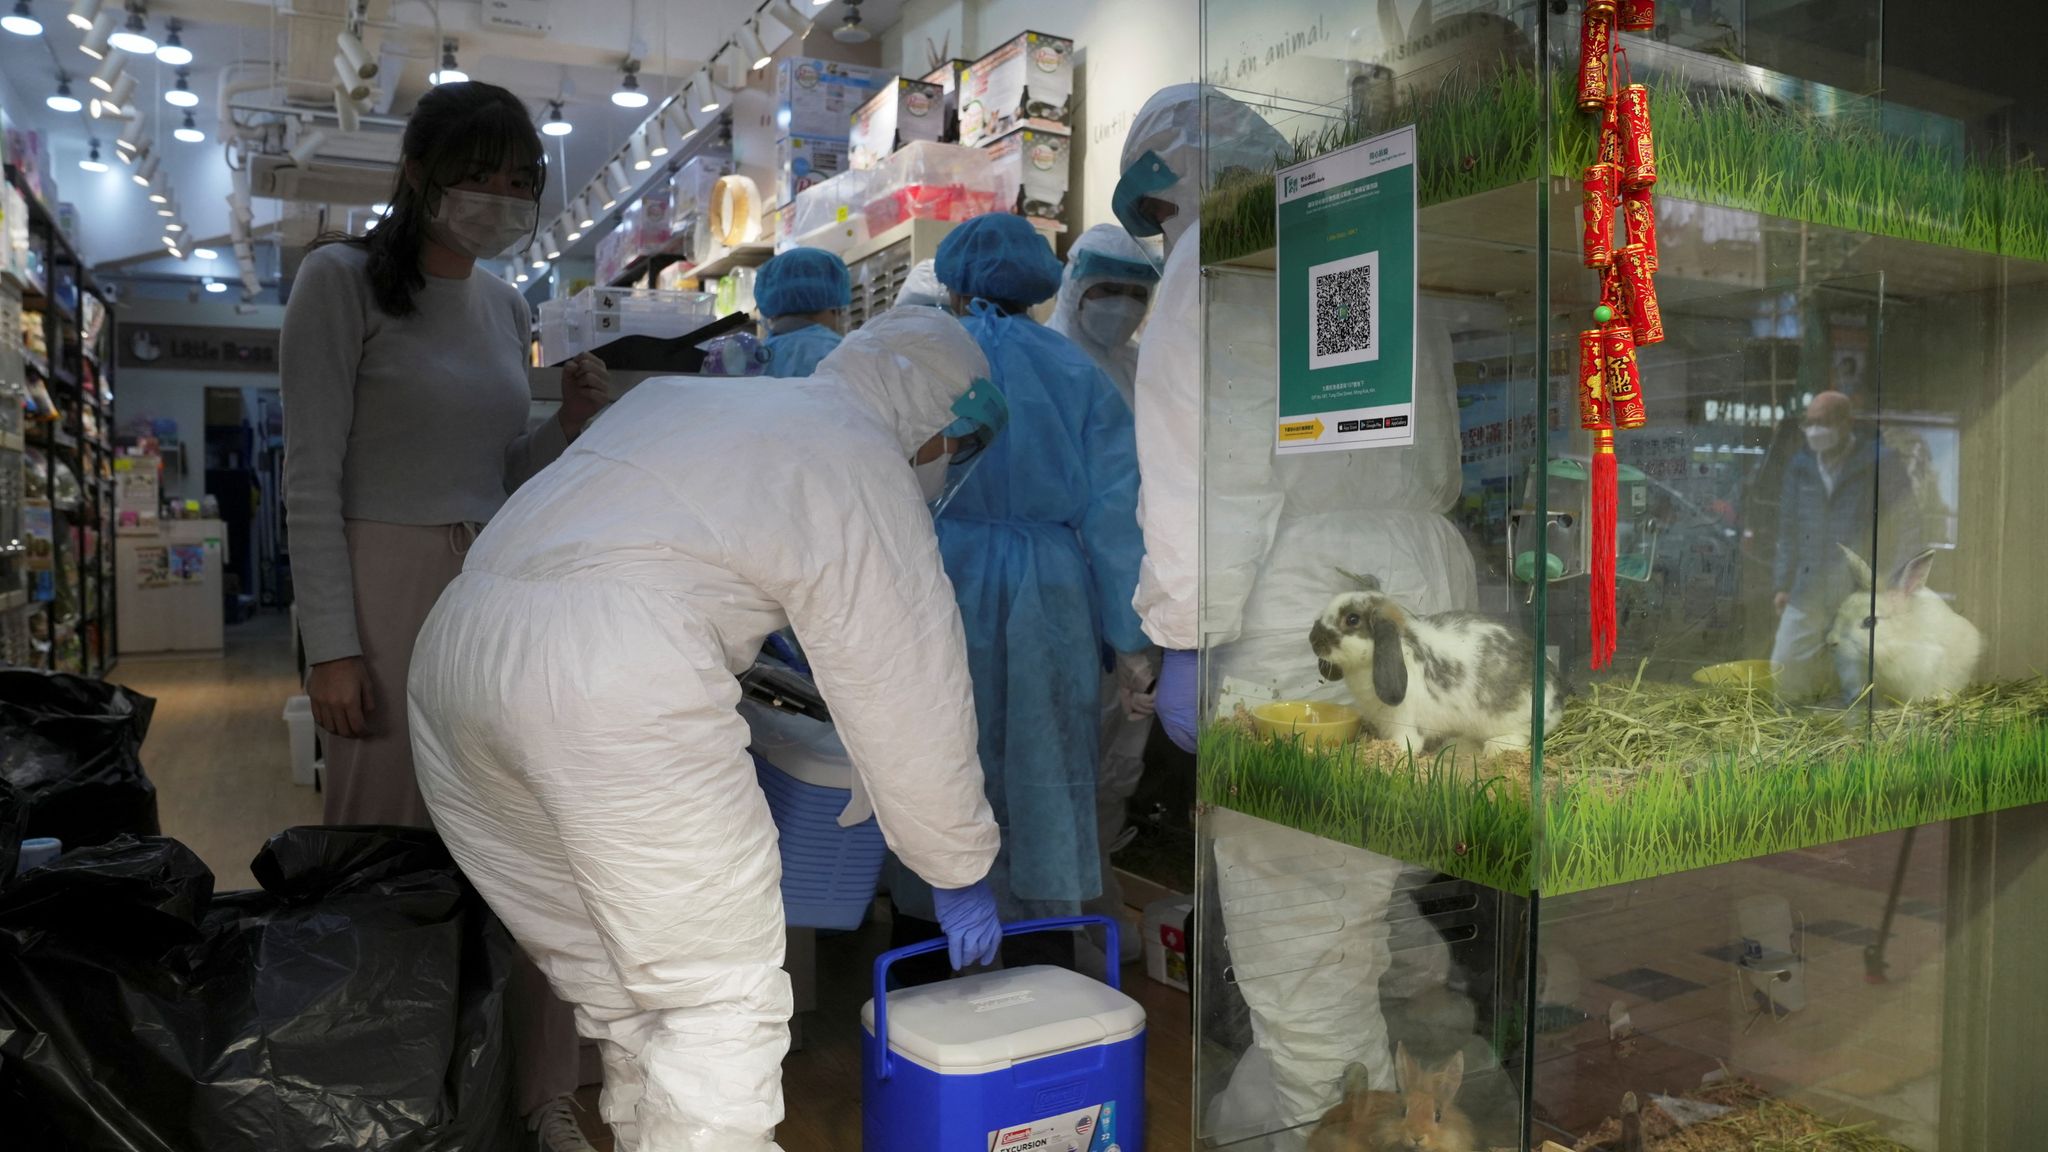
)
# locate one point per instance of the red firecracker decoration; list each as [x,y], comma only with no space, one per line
[1610,379]
[1602,182]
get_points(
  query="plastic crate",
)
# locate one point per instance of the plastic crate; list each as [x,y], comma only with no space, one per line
[927,181]
[829,873]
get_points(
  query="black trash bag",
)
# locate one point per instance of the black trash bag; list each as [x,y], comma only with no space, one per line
[74,748]
[356,1001]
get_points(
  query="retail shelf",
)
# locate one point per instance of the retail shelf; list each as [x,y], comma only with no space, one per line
[12,442]
[63,439]
[41,365]
[744,256]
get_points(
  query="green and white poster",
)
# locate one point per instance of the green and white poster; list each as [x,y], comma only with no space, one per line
[1347,276]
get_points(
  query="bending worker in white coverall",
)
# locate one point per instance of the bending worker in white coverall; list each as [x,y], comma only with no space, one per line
[574,703]
[1304,919]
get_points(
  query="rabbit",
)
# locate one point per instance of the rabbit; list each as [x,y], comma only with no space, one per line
[1420,1117]
[1917,646]
[1474,686]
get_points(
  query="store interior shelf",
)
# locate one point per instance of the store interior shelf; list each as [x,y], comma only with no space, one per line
[744,256]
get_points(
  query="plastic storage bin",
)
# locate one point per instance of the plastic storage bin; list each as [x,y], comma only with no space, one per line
[298,720]
[829,871]
[595,317]
[827,215]
[927,181]
[1027,1058]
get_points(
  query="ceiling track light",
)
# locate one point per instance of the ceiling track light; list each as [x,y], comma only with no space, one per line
[554,125]
[173,50]
[95,42]
[677,119]
[636,150]
[109,107]
[706,98]
[188,132]
[347,115]
[160,193]
[62,100]
[176,225]
[131,137]
[449,72]
[181,94]
[657,136]
[616,186]
[359,62]
[134,34]
[732,69]
[628,93]
[534,257]
[795,16]
[310,142]
[585,218]
[21,21]
[145,172]
[349,81]
[752,50]
[92,161]
[777,22]
[82,14]
[548,244]
[109,72]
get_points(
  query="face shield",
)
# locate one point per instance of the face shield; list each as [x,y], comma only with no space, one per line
[1147,179]
[980,414]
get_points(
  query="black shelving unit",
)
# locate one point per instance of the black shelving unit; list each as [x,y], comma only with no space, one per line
[77,375]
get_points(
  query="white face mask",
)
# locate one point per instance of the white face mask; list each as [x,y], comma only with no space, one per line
[1822,438]
[1110,320]
[479,225]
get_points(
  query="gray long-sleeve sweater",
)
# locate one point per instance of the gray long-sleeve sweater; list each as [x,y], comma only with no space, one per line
[420,420]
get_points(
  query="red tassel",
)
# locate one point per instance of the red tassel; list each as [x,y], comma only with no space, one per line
[1606,509]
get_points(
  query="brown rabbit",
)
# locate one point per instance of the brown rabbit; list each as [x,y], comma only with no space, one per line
[1421,1117]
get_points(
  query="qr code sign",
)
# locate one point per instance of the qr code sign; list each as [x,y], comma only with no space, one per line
[1344,319]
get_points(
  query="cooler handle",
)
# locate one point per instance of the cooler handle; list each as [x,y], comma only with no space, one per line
[886,959]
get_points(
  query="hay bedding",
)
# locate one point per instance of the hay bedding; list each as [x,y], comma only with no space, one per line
[1755,1121]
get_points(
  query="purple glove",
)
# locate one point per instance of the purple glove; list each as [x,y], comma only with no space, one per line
[1176,697]
[968,918]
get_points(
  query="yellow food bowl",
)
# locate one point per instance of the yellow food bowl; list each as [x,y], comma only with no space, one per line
[1757,674]
[1318,724]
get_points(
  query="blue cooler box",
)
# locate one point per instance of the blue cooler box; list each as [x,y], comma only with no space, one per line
[829,872]
[1024,1060]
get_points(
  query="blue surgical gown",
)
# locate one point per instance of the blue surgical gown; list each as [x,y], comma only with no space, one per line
[1042,545]
[797,353]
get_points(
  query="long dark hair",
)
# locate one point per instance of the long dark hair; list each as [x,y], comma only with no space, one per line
[457,132]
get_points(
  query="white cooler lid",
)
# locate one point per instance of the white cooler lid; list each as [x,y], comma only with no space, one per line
[802,747]
[992,1020]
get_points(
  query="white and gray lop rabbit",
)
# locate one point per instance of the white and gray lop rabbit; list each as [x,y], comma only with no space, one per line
[1906,642]
[1456,678]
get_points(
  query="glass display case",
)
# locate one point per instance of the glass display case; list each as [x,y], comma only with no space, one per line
[1623,642]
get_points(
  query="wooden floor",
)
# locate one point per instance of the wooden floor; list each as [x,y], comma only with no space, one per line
[218,753]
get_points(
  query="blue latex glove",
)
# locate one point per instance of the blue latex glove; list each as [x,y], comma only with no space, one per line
[968,917]
[1176,697]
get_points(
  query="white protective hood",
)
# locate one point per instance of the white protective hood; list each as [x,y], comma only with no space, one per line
[1170,127]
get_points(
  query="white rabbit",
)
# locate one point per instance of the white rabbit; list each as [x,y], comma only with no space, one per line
[1917,647]
[1425,681]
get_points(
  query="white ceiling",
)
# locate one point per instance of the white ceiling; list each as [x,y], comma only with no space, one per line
[577,62]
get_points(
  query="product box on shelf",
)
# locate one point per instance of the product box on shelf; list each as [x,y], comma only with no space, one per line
[801,161]
[1033,169]
[928,181]
[947,77]
[819,97]
[823,205]
[901,112]
[657,211]
[612,255]
[1027,82]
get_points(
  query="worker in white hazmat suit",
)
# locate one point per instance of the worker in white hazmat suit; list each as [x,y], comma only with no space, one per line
[1305,920]
[1103,299]
[1104,295]
[921,287]
[574,696]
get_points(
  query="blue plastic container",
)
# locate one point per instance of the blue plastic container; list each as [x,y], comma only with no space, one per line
[829,873]
[1023,1060]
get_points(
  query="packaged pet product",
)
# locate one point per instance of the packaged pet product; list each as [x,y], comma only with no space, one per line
[901,112]
[947,77]
[1027,82]
[928,181]
[819,97]
[801,161]
[1033,170]
[690,203]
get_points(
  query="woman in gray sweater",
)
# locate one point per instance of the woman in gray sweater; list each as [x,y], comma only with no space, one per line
[406,400]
